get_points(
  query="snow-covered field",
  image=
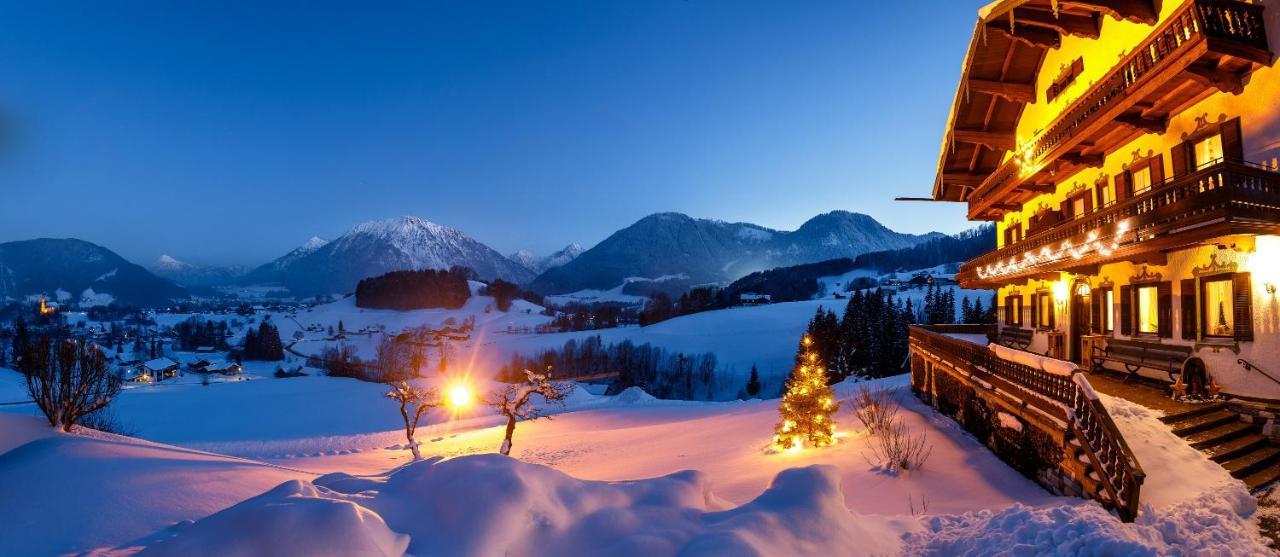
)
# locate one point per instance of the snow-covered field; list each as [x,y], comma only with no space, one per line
[625,475]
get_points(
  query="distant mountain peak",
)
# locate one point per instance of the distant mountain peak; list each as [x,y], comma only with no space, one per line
[539,263]
[313,244]
[169,262]
[379,246]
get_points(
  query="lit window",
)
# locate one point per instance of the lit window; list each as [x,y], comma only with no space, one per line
[1106,197]
[1217,311]
[1077,207]
[1017,310]
[1141,180]
[1108,311]
[1208,151]
[1046,310]
[1148,310]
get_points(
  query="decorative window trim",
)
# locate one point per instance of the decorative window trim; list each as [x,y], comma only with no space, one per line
[1066,76]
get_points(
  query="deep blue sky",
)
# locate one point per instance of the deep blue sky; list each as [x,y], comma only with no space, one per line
[230,132]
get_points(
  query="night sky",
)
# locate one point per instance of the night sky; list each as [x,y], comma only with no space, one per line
[231,132]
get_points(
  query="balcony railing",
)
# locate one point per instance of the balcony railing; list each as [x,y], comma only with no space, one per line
[1228,25]
[1223,191]
[1068,398]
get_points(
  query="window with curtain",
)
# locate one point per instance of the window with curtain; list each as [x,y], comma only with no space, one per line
[1217,312]
[1148,309]
[1141,180]
[1208,151]
[1046,310]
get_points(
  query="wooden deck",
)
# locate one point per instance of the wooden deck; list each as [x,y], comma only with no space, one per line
[1152,394]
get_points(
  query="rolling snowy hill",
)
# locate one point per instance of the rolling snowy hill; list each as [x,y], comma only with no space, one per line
[373,248]
[709,251]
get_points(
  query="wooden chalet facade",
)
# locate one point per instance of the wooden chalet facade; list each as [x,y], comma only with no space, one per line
[1128,152]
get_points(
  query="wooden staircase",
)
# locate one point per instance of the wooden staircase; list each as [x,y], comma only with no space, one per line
[1238,446]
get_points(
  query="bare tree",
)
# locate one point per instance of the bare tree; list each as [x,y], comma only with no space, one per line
[393,358]
[876,409]
[513,402]
[414,402]
[67,382]
[897,449]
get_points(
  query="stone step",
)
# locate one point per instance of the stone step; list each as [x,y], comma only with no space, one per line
[1235,447]
[1201,422]
[1203,409]
[1262,478]
[1218,435]
[1261,458]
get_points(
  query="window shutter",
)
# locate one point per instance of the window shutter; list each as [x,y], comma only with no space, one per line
[1035,311]
[1008,310]
[1095,310]
[1157,170]
[1181,164]
[1122,186]
[1053,314]
[1164,307]
[1088,204]
[1098,190]
[1187,290]
[1232,140]
[1126,310]
[1242,287]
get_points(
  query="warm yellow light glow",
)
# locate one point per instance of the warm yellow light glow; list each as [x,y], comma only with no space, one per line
[1060,291]
[460,396]
[1265,262]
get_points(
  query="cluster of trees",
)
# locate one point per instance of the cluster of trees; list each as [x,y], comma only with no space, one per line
[263,344]
[663,374]
[504,293]
[787,284]
[870,339]
[196,332]
[403,290]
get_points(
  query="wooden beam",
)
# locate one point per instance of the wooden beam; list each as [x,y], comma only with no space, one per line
[1149,125]
[1222,80]
[1024,93]
[1086,160]
[1003,141]
[1068,24]
[1038,37]
[1037,188]
[1006,206]
[963,179]
[1137,11]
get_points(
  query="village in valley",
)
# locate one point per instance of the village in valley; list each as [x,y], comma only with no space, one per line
[1081,361]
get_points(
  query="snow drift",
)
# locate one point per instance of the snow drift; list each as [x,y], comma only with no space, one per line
[494,505]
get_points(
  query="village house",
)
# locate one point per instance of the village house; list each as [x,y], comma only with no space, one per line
[160,368]
[1128,154]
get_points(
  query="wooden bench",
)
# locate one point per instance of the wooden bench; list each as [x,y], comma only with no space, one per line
[1137,354]
[1014,337]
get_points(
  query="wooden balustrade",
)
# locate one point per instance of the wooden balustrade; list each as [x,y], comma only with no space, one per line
[1069,398]
[1225,189]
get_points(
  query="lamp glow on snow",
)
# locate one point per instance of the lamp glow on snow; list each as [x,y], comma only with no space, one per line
[459,396]
[807,406]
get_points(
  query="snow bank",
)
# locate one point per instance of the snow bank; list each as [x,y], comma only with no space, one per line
[493,505]
[62,493]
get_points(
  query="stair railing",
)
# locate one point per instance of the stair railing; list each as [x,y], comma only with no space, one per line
[1248,366]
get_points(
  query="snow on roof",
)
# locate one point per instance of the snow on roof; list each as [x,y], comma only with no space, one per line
[159,363]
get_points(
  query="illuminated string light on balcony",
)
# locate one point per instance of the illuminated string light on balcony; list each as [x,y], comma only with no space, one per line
[1093,243]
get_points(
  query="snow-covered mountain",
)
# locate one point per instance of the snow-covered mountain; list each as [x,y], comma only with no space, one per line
[48,266]
[704,250]
[373,248]
[192,275]
[540,263]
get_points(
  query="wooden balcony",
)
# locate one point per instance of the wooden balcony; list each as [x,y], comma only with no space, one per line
[1206,46]
[1223,198]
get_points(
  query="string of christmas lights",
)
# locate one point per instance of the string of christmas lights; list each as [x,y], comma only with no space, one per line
[1092,243]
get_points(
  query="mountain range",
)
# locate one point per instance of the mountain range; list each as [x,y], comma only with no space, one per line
[712,251]
[660,246]
[192,275]
[377,247]
[47,266]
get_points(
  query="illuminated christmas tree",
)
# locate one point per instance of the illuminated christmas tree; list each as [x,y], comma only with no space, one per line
[808,404]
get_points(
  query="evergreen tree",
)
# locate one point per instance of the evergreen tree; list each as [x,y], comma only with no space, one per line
[807,406]
[966,311]
[753,382]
